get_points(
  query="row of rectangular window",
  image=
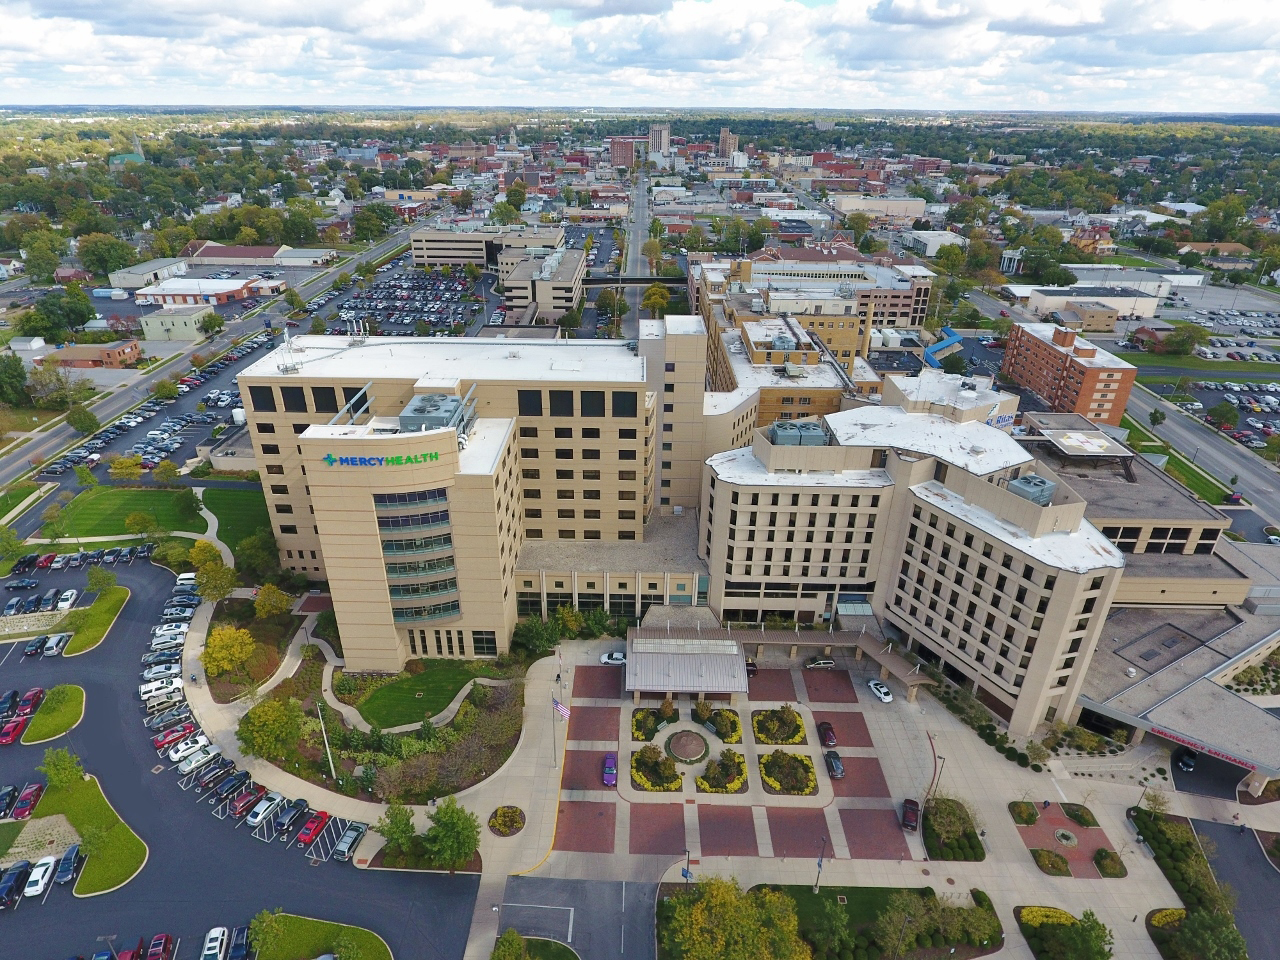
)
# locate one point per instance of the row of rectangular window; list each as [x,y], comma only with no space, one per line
[438,495]
[418,544]
[560,403]
[294,399]
[565,453]
[536,534]
[432,612]
[414,521]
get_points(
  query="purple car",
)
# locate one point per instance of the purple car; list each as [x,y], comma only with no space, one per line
[610,770]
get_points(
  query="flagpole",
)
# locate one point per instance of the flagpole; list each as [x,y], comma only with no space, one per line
[553,732]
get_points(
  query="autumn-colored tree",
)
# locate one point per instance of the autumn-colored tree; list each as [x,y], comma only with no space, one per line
[271,601]
[716,920]
[203,553]
[226,649]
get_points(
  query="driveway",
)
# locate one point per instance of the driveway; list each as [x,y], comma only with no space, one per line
[201,872]
[1241,863]
[1211,778]
[609,921]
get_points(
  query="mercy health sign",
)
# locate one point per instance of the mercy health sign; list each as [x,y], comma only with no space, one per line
[401,461]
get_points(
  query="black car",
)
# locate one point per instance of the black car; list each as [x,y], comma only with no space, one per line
[145,550]
[216,772]
[111,555]
[95,556]
[35,645]
[229,786]
[239,944]
[835,766]
[1187,761]
[31,604]
[26,563]
[162,656]
[70,864]
[12,882]
[9,704]
[289,814]
[8,797]
[127,554]
[167,718]
[22,583]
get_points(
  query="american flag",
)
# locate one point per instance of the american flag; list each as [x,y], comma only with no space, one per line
[560,708]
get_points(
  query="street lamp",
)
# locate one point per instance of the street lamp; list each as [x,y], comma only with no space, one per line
[821,855]
[109,940]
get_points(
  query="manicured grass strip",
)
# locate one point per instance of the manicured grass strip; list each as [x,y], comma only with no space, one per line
[305,937]
[397,703]
[1206,488]
[62,709]
[240,513]
[8,833]
[91,625]
[101,511]
[548,950]
[1124,260]
[123,852]
[15,495]
[863,906]
[1257,369]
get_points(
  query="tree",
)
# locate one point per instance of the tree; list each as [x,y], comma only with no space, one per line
[266,931]
[950,816]
[651,250]
[331,237]
[454,835]
[100,579]
[165,471]
[1184,338]
[61,767]
[463,199]
[567,620]
[535,635]
[954,363]
[11,545]
[42,257]
[831,928]
[53,523]
[716,920]
[396,825]
[510,946]
[858,223]
[102,253]
[1089,939]
[215,581]
[1208,935]
[271,601]
[210,324]
[81,419]
[1156,417]
[346,946]
[139,521]
[1225,414]
[227,648]
[950,258]
[257,555]
[341,281]
[203,553]
[13,381]
[270,727]
[517,193]
[165,389]
[85,477]
[471,272]
[317,326]
[504,213]
[655,299]
[1001,326]
[294,299]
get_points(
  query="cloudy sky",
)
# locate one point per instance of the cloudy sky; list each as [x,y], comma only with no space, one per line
[1163,55]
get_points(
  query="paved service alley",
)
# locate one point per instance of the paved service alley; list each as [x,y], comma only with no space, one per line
[601,921]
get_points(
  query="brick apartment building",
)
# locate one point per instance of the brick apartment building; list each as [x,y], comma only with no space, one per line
[1071,373]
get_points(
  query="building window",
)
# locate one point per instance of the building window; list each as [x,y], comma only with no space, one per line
[624,404]
[294,399]
[484,643]
[529,453]
[280,489]
[529,403]
[531,473]
[561,403]
[288,528]
[622,454]
[628,434]
[263,399]
[271,449]
[529,432]
[275,469]
[325,400]
[266,427]
[592,402]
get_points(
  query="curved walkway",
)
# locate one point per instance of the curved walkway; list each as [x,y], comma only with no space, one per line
[446,715]
[212,534]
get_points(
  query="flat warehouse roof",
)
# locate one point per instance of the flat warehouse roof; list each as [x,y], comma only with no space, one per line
[436,362]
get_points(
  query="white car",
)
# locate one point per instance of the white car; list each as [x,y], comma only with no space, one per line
[187,747]
[265,808]
[39,878]
[171,641]
[67,600]
[161,671]
[215,944]
[614,659]
[170,630]
[199,758]
[880,691]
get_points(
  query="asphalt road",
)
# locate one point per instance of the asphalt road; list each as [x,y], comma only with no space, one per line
[1220,456]
[609,921]
[201,872]
[1242,865]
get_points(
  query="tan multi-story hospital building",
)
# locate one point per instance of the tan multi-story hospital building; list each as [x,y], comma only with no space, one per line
[445,488]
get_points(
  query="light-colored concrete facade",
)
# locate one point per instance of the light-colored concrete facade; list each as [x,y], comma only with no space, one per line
[174,323]
[481,247]
[551,283]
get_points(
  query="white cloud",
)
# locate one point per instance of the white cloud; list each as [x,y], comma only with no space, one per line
[997,54]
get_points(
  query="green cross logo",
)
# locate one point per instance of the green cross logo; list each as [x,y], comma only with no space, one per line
[330,459]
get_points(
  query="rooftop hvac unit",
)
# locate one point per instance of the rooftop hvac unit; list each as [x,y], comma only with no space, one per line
[785,434]
[784,341]
[1033,488]
[811,434]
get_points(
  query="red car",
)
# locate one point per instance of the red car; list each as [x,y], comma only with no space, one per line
[313,828]
[44,562]
[173,735]
[244,803]
[27,801]
[12,730]
[161,947]
[30,702]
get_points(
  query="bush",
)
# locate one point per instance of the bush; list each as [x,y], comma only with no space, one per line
[1109,864]
[702,711]
[651,769]
[789,773]
[1051,862]
[780,727]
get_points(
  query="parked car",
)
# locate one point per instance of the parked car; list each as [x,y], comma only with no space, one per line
[8,704]
[40,876]
[313,828]
[12,882]
[69,866]
[247,800]
[68,599]
[8,797]
[264,809]
[171,736]
[30,702]
[22,583]
[1187,761]
[835,766]
[231,785]
[167,718]
[12,730]
[827,734]
[185,748]
[239,947]
[162,656]
[880,691]
[56,644]
[910,814]
[819,663]
[161,947]
[161,671]
[27,801]
[615,659]
[198,759]
[609,775]
[349,841]
[215,944]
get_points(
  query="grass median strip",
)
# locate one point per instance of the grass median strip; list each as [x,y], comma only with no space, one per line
[9,831]
[305,937]
[240,513]
[61,710]
[122,852]
[91,624]
[15,495]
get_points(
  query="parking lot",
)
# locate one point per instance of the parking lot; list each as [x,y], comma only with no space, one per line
[202,870]
[399,301]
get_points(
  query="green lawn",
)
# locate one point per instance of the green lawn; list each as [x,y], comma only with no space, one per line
[62,709]
[548,950]
[304,937]
[123,852]
[1256,369]
[1124,260]
[101,511]
[397,703]
[14,495]
[864,903]
[240,513]
[91,624]
[8,833]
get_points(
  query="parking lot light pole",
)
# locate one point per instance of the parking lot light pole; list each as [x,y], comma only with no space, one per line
[109,940]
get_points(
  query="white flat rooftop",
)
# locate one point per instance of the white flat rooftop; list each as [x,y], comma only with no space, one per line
[934,386]
[742,466]
[751,377]
[1080,551]
[439,364]
[686,325]
[186,285]
[485,443]
[973,446]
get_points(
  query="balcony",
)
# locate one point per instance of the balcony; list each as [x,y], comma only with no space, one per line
[437,611]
